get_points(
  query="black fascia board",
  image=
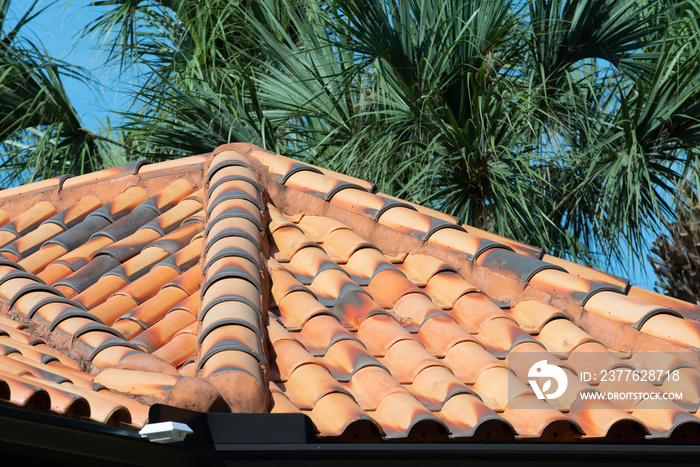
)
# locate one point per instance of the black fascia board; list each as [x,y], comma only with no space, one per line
[221,429]
[32,438]
[29,438]
[258,439]
[459,454]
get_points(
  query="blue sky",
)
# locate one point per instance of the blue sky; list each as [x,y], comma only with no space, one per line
[59,29]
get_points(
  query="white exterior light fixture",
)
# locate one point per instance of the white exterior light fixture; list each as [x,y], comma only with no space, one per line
[165,432]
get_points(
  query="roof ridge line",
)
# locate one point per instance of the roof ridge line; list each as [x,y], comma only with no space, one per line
[231,342]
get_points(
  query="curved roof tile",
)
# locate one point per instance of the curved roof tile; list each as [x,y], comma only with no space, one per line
[284,287]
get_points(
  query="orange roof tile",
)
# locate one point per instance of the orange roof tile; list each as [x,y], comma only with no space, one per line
[249,282]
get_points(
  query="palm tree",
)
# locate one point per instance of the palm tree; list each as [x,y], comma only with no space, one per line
[41,135]
[567,125]
[677,255]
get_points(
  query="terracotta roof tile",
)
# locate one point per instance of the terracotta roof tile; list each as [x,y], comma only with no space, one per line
[601,419]
[320,333]
[533,418]
[467,417]
[401,416]
[688,310]
[631,311]
[339,415]
[413,309]
[284,287]
[563,336]
[181,347]
[674,329]
[346,357]
[446,287]
[518,247]
[440,333]
[473,310]
[405,359]
[363,203]
[422,209]
[420,268]
[414,223]
[532,315]
[585,272]
[463,243]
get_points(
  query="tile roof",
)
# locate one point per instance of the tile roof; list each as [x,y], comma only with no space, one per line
[250,282]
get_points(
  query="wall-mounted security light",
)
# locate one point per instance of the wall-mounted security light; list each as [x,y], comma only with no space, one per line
[165,432]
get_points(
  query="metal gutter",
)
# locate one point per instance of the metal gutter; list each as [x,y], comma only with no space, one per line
[28,438]
[257,439]
[461,454]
